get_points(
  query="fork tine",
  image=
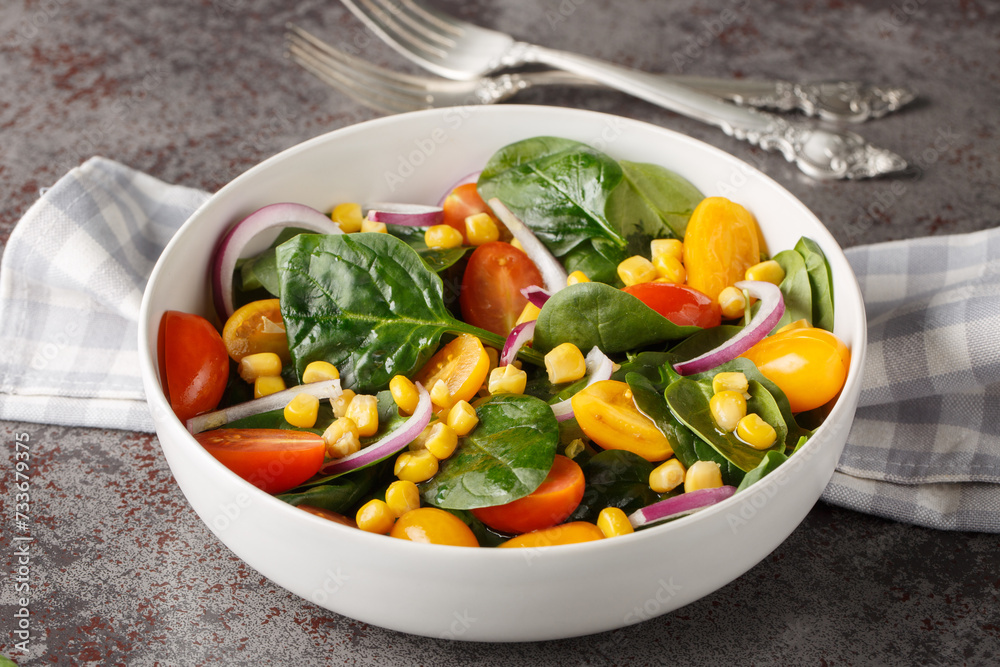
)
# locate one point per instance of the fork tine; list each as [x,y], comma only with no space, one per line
[428,14]
[384,15]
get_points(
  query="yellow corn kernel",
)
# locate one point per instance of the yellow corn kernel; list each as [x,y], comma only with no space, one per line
[416,467]
[364,411]
[670,247]
[404,393]
[769,271]
[728,408]
[756,432]
[302,410]
[320,371]
[574,448]
[577,277]
[797,324]
[341,438]
[348,216]
[702,475]
[441,441]
[261,364]
[565,363]
[340,403]
[462,418]
[530,312]
[614,522]
[402,496]
[480,228]
[441,237]
[420,441]
[669,269]
[734,381]
[267,385]
[507,380]
[636,269]
[375,517]
[517,244]
[441,395]
[372,226]
[732,302]
[667,476]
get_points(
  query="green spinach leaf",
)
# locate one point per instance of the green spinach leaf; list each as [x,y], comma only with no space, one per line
[598,259]
[768,465]
[795,288]
[615,478]
[651,203]
[340,495]
[651,403]
[437,260]
[820,280]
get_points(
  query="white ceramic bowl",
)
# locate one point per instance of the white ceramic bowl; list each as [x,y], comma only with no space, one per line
[488,594]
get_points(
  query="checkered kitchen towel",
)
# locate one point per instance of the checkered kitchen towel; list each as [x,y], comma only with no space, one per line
[925,447]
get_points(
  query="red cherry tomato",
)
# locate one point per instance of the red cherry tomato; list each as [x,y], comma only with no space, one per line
[460,204]
[680,304]
[272,459]
[550,504]
[194,365]
[491,296]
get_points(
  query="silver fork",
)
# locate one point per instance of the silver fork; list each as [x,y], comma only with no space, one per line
[394,92]
[460,50]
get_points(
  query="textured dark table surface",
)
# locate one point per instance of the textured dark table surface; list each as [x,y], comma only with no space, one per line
[196,92]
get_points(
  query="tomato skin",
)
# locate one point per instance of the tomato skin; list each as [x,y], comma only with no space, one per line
[194,365]
[721,242]
[272,459]
[682,305]
[329,515]
[462,364]
[551,503]
[431,525]
[809,365]
[567,533]
[491,296]
[256,327]
[607,415]
[462,202]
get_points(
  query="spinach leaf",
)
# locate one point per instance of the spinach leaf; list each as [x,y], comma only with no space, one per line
[651,403]
[731,473]
[768,465]
[656,367]
[437,260]
[337,496]
[615,478]
[261,271]
[821,281]
[589,314]
[504,458]
[598,259]
[558,187]
[703,341]
[795,288]
[650,203]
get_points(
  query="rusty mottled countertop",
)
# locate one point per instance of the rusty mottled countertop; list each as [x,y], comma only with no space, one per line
[196,92]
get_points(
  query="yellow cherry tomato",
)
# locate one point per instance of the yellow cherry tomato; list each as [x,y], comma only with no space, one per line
[567,533]
[433,526]
[256,327]
[462,364]
[721,242]
[608,416]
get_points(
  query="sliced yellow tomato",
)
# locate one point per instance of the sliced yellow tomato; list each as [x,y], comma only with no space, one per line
[722,240]
[433,526]
[567,533]
[256,327]
[608,416]
[462,364]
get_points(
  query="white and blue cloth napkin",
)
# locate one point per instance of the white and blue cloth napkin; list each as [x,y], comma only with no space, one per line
[924,448]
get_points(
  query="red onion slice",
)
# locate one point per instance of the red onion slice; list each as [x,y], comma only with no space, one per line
[217,418]
[599,367]
[536,295]
[409,215]
[390,443]
[552,271]
[678,506]
[772,307]
[469,178]
[232,245]
[518,337]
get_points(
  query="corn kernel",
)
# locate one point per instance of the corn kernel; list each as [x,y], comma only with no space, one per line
[416,467]
[340,403]
[481,228]
[302,410]
[441,441]
[574,448]
[441,395]
[404,393]
[797,324]
[441,237]
[368,225]
[769,271]
[462,418]
[670,247]
[756,432]
[614,522]
[420,442]
[728,408]
[702,475]
[669,269]
[565,363]
[517,244]
[261,364]
[364,411]
[667,476]
[734,381]
[267,385]
[341,438]
[402,496]
[507,380]
[576,278]
[375,517]
[635,270]
[348,216]
[529,313]
[732,302]
[320,371]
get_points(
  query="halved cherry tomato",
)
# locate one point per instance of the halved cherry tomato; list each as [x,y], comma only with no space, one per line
[272,459]
[607,415]
[193,363]
[680,304]
[551,503]
[329,515]
[491,296]
[567,533]
[256,327]
[433,526]
[721,242]
[462,202]
[462,364]
[809,365]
